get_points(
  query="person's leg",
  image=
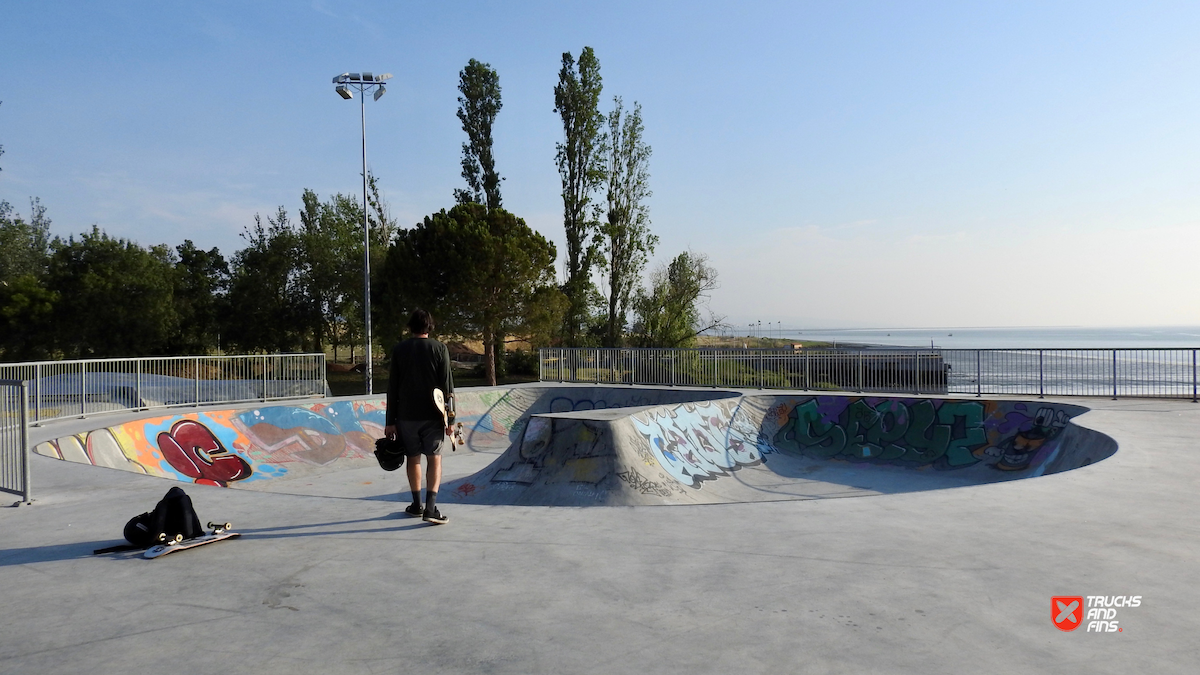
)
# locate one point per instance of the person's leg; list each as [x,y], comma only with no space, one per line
[408,433]
[414,476]
[435,472]
[434,480]
[432,437]
[414,484]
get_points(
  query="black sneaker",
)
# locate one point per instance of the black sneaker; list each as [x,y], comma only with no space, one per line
[435,517]
[414,510]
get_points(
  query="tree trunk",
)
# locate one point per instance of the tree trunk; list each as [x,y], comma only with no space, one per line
[612,333]
[489,355]
[501,366]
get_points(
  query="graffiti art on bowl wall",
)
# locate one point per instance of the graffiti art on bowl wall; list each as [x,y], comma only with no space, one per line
[223,447]
[937,433]
[697,442]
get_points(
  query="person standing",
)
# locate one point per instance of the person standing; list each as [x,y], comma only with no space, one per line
[419,365]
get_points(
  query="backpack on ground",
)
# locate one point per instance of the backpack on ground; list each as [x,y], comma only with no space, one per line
[173,515]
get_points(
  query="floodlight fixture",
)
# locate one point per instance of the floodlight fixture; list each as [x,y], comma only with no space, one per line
[346,84]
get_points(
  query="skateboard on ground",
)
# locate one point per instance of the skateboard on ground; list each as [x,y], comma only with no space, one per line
[219,532]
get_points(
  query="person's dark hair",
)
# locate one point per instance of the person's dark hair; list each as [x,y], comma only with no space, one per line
[420,323]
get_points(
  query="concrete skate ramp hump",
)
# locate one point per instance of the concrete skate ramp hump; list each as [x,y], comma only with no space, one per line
[580,445]
[298,446]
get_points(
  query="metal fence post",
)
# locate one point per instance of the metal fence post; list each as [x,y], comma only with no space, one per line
[978,374]
[83,390]
[37,410]
[196,375]
[1193,376]
[27,488]
[264,389]
[860,371]
[1114,373]
[807,371]
[1041,376]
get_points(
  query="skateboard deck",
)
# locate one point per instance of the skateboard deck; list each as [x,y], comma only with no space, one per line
[439,399]
[218,534]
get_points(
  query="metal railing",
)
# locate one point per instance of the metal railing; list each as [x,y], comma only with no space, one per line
[14,439]
[60,389]
[1116,373]
[1164,373]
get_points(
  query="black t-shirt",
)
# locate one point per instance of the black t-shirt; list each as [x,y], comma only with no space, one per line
[419,365]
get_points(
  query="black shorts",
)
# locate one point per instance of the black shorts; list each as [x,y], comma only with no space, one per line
[421,437]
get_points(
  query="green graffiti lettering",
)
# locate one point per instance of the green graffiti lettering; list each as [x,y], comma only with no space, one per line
[892,423]
[860,418]
[965,436]
[810,435]
[927,441]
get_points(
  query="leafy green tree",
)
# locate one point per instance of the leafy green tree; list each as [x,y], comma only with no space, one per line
[580,159]
[201,286]
[481,273]
[24,246]
[330,238]
[477,109]
[626,242]
[115,298]
[26,317]
[669,312]
[266,300]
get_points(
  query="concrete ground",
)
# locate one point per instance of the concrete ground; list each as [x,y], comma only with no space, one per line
[945,581]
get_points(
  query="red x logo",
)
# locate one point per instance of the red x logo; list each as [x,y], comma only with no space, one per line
[1066,611]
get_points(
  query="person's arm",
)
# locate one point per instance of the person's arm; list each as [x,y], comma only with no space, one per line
[446,379]
[389,429]
[449,375]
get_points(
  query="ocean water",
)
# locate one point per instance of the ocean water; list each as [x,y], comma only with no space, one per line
[1005,338]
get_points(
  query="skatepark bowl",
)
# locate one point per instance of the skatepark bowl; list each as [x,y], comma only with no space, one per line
[547,445]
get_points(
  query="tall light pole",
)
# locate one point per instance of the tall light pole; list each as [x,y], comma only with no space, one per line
[364,82]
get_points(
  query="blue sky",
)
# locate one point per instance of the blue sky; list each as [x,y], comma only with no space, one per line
[842,164]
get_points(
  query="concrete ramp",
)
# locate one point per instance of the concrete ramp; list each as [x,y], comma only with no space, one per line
[581,445]
[773,447]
